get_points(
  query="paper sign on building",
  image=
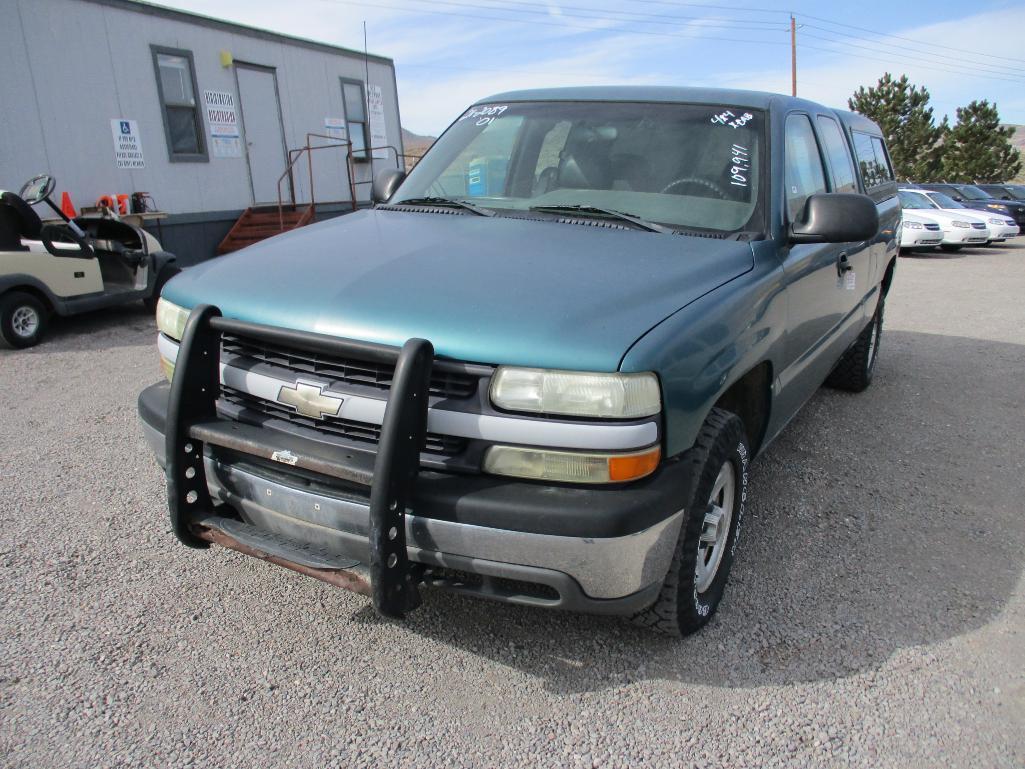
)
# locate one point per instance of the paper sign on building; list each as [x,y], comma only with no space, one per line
[378,134]
[335,128]
[127,145]
[222,118]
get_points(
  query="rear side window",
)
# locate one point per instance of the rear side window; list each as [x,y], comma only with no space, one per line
[875,165]
[804,173]
[882,160]
[841,167]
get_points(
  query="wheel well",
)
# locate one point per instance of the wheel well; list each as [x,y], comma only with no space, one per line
[749,399]
[888,276]
[41,296]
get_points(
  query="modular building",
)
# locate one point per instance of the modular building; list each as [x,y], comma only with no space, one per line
[115,97]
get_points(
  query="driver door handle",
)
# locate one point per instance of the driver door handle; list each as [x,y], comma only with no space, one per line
[842,264]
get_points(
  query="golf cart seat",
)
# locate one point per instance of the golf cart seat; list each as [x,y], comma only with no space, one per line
[115,237]
[17,221]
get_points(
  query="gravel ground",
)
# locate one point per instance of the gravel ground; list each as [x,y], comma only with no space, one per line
[876,615]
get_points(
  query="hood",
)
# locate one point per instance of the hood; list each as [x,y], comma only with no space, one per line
[1010,205]
[971,214]
[947,215]
[929,218]
[481,289]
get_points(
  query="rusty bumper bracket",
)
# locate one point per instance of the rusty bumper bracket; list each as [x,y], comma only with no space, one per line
[343,578]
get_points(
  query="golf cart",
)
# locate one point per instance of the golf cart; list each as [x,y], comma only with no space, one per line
[70,266]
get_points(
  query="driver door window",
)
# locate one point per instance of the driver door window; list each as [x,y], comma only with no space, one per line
[804,173]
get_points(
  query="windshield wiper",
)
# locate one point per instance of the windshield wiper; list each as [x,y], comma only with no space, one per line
[605,213]
[445,202]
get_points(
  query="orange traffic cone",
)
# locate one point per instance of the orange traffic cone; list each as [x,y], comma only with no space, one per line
[66,208]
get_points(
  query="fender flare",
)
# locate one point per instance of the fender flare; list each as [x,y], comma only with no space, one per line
[161,259]
[20,280]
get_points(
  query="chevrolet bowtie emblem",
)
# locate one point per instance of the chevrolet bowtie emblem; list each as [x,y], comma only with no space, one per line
[309,400]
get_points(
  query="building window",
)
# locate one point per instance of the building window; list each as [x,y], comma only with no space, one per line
[177,89]
[355,103]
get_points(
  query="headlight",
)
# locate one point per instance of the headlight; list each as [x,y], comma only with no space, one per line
[171,319]
[912,226]
[998,221]
[574,467]
[962,225]
[997,206]
[576,393]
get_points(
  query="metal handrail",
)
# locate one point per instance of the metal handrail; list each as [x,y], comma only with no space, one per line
[308,149]
[395,152]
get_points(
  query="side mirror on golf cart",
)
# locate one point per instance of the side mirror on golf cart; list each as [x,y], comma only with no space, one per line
[37,189]
[385,184]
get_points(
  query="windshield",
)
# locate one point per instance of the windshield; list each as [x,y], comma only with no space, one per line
[944,201]
[679,165]
[973,193]
[915,200]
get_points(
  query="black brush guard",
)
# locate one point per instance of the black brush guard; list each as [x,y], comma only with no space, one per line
[192,423]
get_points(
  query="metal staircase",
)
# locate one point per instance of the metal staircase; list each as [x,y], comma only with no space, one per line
[261,222]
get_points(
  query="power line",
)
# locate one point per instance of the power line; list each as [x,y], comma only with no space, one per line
[933,63]
[998,74]
[903,50]
[891,62]
[877,33]
[647,18]
[364,3]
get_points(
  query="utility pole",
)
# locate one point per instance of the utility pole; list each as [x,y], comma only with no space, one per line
[793,55]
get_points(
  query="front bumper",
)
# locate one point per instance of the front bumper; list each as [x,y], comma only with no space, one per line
[1000,233]
[599,550]
[963,236]
[920,238]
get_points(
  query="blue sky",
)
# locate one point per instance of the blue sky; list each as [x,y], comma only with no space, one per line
[449,53]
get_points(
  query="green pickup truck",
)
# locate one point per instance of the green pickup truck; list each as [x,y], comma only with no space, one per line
[538,369]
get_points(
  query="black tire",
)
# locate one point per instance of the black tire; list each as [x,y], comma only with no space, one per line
[854,371]
[23,319]
[167,272]
[681,608]
[950,247]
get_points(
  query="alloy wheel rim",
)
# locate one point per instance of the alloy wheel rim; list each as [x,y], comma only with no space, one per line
[25,321]
[715,529]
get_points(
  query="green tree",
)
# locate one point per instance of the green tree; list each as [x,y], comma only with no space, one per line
[902,111]
[978,148]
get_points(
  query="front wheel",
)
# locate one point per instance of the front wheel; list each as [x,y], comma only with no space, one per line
[696,581]
[22,319]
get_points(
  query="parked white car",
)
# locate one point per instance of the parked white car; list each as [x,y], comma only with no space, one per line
[1000,227]
[918,231]
[959,229]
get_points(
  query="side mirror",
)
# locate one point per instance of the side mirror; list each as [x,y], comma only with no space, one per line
[836,217]
[385,184]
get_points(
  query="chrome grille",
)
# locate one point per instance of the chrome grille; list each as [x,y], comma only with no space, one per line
[444,383]
[978,226]
[933,227]
[255,409]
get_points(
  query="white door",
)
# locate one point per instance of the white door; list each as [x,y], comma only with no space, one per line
[263,133]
